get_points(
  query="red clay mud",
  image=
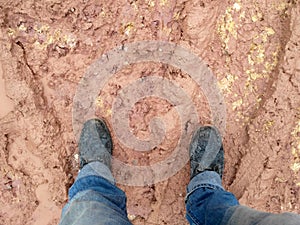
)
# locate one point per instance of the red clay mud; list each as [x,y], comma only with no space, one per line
[252,47]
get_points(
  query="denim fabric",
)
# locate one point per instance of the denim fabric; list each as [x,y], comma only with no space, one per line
[207,202]
[96,169]
[94,199]
[247,216]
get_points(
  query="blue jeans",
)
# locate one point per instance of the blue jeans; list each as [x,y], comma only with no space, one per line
[95,199]
[207,202]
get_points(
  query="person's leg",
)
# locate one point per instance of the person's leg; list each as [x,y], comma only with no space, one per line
[206,200]
[207,203]
[94,198]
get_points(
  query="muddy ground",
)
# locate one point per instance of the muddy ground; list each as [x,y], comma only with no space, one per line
[252,47]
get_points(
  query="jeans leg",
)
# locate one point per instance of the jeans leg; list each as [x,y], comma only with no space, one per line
[94,198]
[207,201]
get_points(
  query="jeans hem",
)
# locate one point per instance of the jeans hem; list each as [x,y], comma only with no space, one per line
[206,179]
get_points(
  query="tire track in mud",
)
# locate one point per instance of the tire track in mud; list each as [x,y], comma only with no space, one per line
[25,147]
[260,166]
[240,167]
[240,147]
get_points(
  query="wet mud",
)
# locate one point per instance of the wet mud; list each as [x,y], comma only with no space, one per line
[252,47]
